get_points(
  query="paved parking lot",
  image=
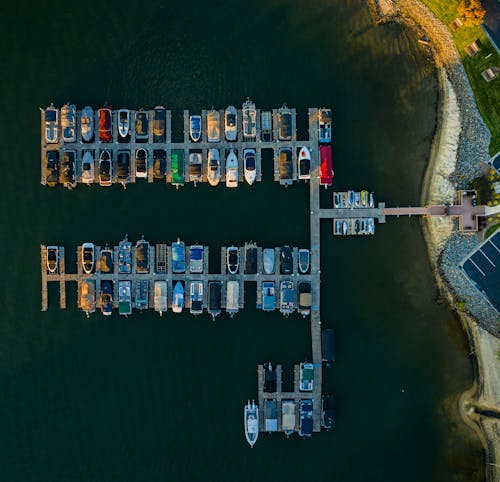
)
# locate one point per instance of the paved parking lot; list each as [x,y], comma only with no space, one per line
[483,269]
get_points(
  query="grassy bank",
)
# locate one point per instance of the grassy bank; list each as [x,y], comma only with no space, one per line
[487,94]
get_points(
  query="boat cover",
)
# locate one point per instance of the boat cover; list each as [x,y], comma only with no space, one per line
[286,168]
[326,166]
[328,340]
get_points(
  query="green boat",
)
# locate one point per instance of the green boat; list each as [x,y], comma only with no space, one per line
[178,167]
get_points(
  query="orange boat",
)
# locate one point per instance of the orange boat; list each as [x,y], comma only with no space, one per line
[326,169]
[105,125]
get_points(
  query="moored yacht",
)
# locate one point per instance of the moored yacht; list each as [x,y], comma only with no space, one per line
[88,257]
[230,123]
[178,297]
[87,296]
[287,298]
[326,169]
[304,258]
[306,418]
[288,416]
[106,297]
[68,169]
[268,260]
[51,116]
[105,168]
[159,122]
[160,297]
[105,124]
[196,259]
[232,170]
[141,294]
[306,371]
[125,256]
[141,163]
[87,168]
[305,298]
[87,123]
[68,122]
[195,167]
[195,127]
[266,125]
[123,122]
[213,171]
[268,296]
[251,419]
[196,297]
[142,256]
[286,166]
[141,126]
[52,259]
[304,161]
[106,263]
[372,200]
[123,167]
[232,297]
[232,259]
[249,114]
[178,257]
[213,126]
[364,198]
[325,125]
[125,298]
[249,165]
[285,124]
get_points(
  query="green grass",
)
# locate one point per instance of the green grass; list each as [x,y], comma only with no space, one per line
[491,230]
[487,94]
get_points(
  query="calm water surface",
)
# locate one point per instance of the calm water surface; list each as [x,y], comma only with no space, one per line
[146,399]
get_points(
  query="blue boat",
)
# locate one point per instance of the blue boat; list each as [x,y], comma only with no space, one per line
[195,127]
[106,297]
[178,257]
[125,256]
[306,418]
[141,294]
[178,297]
[268,296]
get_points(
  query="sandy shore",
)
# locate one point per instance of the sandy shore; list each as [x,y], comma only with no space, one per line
[460,144]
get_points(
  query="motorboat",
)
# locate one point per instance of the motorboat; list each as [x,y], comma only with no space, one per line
[141,126]
[372,200]
[105,124]
[87,296]
[106,262]
[52,259]
[287,298]
[304,161]
[249,114]
[52,168]
[68,122]
[142,261]
[106,297]
[177,163]
[125,298]
[141,163]
[268,257]
[306,418]
[357,199]
[178,257]
[266,125]
[337,200]
[159,163]
[231,123]
[51,117]
[285,166]
[304,259]
[88,257]
[123,167]
[288,416]
[286,260]
[195,127]
[105,168]
[251,419]
[196,297]
[270,378]
[268,296]
[364,198]
[87,123]
[284,124]
[178,297]
[232,170]
[213,126]
[250,258]
[159,122]
[160,296]
[214,298]
[125,256]
[327,411]
[371,225]
[249,165]
[123,123]
[325,125]
[196,259]
[232,259]
[326,169]
[67,169]
[213,171]
[305,298]
[195,167]
[87,168]
[345,228]
[306,377]
[350,198]
[270,415]
[141,294]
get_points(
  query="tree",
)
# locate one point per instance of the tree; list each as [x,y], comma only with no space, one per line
[471,12]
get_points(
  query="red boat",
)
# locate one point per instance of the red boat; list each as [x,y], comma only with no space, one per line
[325,153]
[105,125]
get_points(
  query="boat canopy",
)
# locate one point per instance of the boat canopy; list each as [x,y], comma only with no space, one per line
[326,166]
[328,345]
[286,168]
[50,115]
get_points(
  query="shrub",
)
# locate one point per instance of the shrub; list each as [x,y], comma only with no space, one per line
[471,12]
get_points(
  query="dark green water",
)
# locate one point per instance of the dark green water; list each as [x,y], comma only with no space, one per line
[146,399]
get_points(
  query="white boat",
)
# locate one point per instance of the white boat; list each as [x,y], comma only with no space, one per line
[345,228]
[232,259]
[231,123]
[51,124]
[196,297]
[87,123]
[160,296]
[88,257]
[304,161]
[196,259]
[232,170]
[88,168]
[213,171]
[195,127]
[304,259]
[287,298]
[52,259]
[105,168]
[195,167]
[288,417]
[357,199]
[268,255]
[249,119]
[249,165]
[68,122]
[178,297]
[141,163]
[251,419]
[372,200]
[123,122]
[232,297]
[213,126]
[306,378]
